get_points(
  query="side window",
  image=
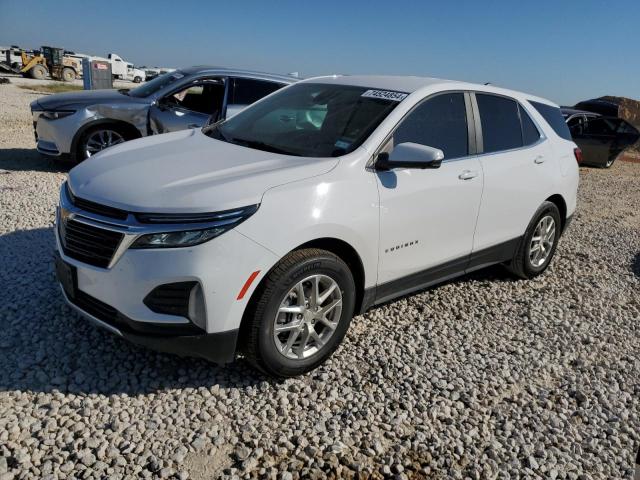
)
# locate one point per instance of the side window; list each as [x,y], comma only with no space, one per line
[600,126]
[439,122]
[247,91]
[205,97]
[554,118]
[530,133]
[576,125]
[500,122]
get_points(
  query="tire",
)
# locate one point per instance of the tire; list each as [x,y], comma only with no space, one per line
[68,74]
[609,163]
[117,134]
[524,263]
[267,351]
[137,80]
[38,72]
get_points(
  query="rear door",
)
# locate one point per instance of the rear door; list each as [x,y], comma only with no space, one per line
[189,106]
[519,174]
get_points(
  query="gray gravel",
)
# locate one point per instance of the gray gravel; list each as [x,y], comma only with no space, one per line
[484,377]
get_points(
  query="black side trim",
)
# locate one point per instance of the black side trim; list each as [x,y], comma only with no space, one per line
[441,273]
[420,280]
[492,255]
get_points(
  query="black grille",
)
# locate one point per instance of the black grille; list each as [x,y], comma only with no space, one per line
[111,316]
[93,207]
[95,307]
[89,244]
[170,299]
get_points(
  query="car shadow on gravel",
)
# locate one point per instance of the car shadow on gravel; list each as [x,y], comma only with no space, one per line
[29,159]
[46,346]
[635,265]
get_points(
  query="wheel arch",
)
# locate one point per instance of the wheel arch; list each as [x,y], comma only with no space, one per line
[338,247]
[558,201]
[129,129]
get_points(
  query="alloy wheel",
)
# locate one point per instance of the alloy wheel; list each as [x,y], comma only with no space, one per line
[542,241]
[101,139]
[307,317]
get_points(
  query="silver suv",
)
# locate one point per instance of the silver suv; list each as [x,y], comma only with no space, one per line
[77,125]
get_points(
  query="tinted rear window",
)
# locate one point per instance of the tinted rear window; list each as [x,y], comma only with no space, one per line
[500,121]
[530,133]
[554,118]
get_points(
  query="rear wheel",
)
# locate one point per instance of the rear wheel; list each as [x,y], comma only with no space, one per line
[610,161]
[68,74]
[97,139]
[38,72]
[299,314]
[539,242]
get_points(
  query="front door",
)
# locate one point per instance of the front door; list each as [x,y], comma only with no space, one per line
[428,217]
[189,107]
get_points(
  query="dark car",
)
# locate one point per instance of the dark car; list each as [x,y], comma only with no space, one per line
[601,139]
[80,124]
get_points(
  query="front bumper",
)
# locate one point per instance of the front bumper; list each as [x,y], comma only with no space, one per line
[54,137]
[114,294]
[216,347]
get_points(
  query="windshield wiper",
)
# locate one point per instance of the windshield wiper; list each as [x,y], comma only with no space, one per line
[261,146]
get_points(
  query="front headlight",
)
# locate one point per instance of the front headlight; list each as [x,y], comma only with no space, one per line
[187,238]
[198,227]
[56,114]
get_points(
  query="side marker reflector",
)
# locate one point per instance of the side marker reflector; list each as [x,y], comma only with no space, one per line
[247,284]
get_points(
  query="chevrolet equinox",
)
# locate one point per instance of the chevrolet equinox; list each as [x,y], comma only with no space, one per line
[262,235]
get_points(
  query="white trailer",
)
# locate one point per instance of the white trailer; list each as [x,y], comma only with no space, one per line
[123,70]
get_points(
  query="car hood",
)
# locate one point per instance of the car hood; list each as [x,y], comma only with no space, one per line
[186,171]
[60,101]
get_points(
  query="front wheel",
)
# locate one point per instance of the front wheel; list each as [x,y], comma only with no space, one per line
[38,72]
[539,243]
[68,74]
[137,79]
[97,139]
[299,314]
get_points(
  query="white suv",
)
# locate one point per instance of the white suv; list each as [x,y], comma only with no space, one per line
[264,234]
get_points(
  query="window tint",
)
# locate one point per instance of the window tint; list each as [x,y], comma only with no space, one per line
[600,126]
[440,122]
[246,91]
[554,118]
[500,122]
[202,98]
[530,133]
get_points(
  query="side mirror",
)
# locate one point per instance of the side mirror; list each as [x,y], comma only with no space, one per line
[410,155]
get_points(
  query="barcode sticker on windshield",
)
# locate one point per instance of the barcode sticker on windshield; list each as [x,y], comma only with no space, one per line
[385,95]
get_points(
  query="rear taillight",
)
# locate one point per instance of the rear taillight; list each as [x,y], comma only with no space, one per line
[578,154]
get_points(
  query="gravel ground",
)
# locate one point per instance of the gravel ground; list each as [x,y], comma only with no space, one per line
[484,377]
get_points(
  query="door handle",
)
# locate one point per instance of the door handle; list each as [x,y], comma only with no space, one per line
[468,175]
[193,125]
[539,159]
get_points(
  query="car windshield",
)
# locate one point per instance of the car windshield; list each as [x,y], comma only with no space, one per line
[309,119]
[152,86]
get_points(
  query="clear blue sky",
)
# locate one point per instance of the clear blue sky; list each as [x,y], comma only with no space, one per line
[564,50]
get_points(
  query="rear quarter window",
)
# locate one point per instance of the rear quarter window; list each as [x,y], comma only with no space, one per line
[554,118]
